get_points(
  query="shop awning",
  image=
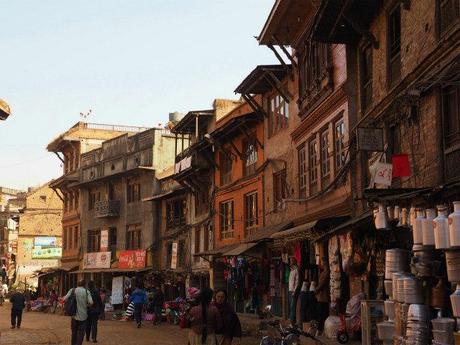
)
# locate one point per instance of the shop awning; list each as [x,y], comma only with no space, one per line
[389,194]
[310,230]
[240,249]
[217,251]
[267,232]
[112,270]
[68,266]
[355,222]
[295,230]
[163,195]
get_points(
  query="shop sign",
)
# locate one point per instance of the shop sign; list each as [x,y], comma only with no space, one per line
[383,174]
[370,139]
[132,259]
[45,241]
[117,290]
[97,260]
[104,240]
[46,253]
[174,256]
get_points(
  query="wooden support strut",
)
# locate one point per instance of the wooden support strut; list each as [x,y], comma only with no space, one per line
[57,193]
[210,159]
[245,132]
[60,158]
[254,105]
[275,83]
[236,150]
[355,24]
[278,56]
[287,53]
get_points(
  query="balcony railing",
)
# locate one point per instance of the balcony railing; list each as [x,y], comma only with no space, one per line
[107,208]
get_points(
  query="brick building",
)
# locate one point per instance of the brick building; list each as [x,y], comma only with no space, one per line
[68,147]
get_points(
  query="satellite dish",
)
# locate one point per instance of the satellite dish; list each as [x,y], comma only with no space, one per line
[5,110]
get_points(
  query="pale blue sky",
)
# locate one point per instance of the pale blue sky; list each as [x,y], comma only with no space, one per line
[130,61]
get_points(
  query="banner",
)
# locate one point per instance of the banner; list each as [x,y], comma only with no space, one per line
[46,253]
[104,240]
[97,260]
[383,174]
[174,255]
[117,290]
[45,241]
[132,259]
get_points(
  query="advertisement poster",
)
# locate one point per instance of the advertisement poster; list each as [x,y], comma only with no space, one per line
[117,290]
[174,256]
[97,260]
[104,240]
[46,253]
[45,242]
[132,259]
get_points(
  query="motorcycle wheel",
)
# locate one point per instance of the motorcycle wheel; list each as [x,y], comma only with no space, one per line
[342,337]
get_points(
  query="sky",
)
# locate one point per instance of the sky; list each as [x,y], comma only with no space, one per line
[130,62]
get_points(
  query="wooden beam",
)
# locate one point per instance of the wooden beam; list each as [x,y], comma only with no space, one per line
[60,158]
[254,105]
[278,56]
[236,150]
[288,54]
[57,193]
[245,132]
[275,83]
[210,159]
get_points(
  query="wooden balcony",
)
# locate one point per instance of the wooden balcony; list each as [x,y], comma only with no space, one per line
[107,208]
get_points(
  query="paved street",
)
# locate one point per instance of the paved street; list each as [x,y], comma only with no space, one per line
[49,329]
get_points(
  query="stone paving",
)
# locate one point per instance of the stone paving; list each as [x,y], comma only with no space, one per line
[49,329]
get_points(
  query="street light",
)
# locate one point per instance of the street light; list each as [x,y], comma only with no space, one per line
[5,110]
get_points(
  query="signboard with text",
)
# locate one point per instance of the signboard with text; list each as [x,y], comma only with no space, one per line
[104,240]
[370,139]
[132,259]
[46,253]
[43,241]
[97,260]
[174,255]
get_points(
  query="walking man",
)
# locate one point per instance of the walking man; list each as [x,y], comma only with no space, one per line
[139,298]
[83,301]
[18,303]
[93,312]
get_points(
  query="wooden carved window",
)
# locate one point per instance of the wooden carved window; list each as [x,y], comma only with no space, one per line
[449,13]
[133,191]
[302,169]
[94,240]
[250,212]
[339,144]
[366,77]
[325,159]
[227,219]
[312,165]
[133,236]
[225,168]
[279,189]
[175,213]
[313,68]
[278,114]
[250,155]
[76,235]
[450,103]
[394,45]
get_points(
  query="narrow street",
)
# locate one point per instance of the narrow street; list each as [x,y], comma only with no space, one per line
[40,328]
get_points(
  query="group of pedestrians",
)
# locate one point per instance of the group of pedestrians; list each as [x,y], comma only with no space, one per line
[89,307]
[213,322]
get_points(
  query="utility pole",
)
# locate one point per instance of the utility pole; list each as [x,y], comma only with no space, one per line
[5,110]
